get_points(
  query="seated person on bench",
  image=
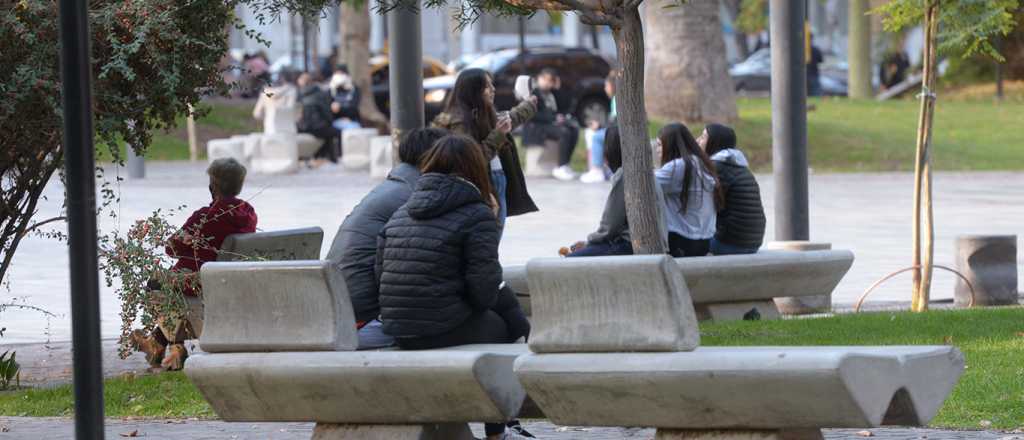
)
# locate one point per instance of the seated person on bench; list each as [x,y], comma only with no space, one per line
[196,243]
[437,261]
[551,122]
[354,249]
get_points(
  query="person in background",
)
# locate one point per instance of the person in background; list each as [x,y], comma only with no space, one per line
[612,236]
[344,100]
[354,249]
[692,193]
[195,244]
[595,152]
[813,71]
[317,118]
[893,69]
[470,112]
[550,122]
[741,219]
[277,106]
[437,261]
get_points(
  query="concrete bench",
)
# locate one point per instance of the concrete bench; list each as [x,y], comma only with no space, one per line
[729,287]
[279,347]
[541,160]
[611,349]
[289,244]
[355,147]
[381,151]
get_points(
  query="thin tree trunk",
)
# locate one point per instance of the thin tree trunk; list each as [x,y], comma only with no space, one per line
[355,50]
[642,208]
[923,258]
[688,77]
[859,48]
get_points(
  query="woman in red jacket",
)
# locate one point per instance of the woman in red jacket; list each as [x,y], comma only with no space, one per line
[196,243]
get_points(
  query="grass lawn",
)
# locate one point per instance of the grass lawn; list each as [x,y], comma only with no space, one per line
[992,388]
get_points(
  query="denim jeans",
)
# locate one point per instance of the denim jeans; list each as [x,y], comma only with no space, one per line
[597,148]
[615,247]
[372,336]
[719,248]
[500,182]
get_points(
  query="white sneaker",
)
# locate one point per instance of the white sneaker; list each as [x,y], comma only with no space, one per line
[593,176]
[564,173]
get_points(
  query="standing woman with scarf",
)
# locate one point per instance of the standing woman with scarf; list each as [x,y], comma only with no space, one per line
[470,111]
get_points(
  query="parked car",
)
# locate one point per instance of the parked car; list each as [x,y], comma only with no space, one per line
[582,72]
[754,75]
[380,69]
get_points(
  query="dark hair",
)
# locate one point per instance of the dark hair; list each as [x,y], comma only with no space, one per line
[460,156]
[613,148]
[417,142]
[678,143]
[548,71]
[720,138]
[467,101]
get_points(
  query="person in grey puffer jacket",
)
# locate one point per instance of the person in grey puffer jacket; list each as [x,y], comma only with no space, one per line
[354,248]
[741,221]
[612,236]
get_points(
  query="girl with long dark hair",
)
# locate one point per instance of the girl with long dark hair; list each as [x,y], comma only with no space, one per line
[437,264]
[470,111]
[741,221]
[692,193]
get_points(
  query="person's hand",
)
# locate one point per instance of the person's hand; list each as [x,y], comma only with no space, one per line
[560,119]
[504,125]
[335,107]
[533,100]
[593,125]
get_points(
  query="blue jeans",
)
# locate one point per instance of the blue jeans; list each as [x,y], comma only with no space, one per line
[597,148]
[719,248]
[500,182]
[614,247]
[343,125]
[372,336]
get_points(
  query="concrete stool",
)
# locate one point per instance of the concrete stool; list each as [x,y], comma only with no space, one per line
[802,305]
[541,160]
[307,145]
[278,154]
[355,146]
[990,263]
[380,156]
[222,148]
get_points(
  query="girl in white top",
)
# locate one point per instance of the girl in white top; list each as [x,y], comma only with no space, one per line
[692,192]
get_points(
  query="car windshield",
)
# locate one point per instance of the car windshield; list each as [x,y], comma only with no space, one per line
[492,61]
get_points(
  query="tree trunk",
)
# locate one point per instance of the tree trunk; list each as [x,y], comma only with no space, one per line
[922,169]
[859,48]
[642,207]
[688,76]
[355,50]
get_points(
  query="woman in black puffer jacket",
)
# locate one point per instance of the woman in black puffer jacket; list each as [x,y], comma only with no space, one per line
[437,259]
[741,222]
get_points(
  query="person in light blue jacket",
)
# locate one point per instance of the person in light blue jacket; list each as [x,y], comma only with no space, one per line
[692,193]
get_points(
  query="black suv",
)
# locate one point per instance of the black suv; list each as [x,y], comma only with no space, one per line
[582,72]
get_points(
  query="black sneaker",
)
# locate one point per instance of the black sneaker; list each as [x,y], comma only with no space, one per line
[515,427]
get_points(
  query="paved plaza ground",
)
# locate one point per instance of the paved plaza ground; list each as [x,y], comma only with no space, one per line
[40,428]
[867,213]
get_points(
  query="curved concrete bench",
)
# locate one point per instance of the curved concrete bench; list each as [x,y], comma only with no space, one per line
[279,339]
[729,287]
[286,244]
[590,367]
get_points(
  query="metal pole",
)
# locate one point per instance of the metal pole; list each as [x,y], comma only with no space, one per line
[999,71]
[789,120]
[136,164]
[594,40]
[79,168]
[406,73]
[522,35]
[305,45]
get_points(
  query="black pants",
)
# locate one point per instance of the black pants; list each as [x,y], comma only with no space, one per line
[680,246]
[504,324]
[329,135]
[567,135]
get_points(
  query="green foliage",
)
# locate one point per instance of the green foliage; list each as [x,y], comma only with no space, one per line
[966,27]
[753,16]
[10,371]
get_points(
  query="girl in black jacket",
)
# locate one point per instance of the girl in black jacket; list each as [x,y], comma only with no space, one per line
[741,221]
[437,260]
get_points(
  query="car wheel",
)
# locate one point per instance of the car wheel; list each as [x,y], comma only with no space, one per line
[593,109]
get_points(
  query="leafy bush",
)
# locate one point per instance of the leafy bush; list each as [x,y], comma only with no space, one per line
[9,371]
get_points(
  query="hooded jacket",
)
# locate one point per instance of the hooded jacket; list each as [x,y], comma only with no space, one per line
[741,222]
[209,226]
[504,147]
[437,259]
[354,249]
[698,222]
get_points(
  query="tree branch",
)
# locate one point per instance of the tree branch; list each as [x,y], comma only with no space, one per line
[37,225]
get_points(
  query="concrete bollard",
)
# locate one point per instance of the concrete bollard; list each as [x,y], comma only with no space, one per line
[802,305]
[990,263]
[136,164]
